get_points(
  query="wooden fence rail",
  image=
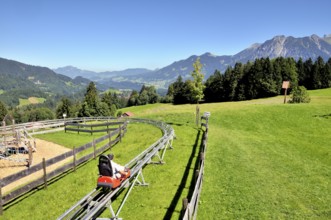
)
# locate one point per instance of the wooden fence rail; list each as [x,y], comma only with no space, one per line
[33,127]
[4,199]
[190,209]
[79,127]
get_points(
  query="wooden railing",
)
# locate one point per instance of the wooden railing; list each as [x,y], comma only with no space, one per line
[43,126]
[79,127]
[190,206]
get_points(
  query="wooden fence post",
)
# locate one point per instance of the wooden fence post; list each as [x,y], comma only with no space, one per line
[120,132]
[185,204]
[45,174]
[201,156]
[74,155]
[1,208]
[94,148]
[196,175]
[197,115]
[30,155]
[109,141]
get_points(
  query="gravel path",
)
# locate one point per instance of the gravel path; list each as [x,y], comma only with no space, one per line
[45,150]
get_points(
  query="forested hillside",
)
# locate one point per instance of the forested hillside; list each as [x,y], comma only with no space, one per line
[259,79]
[18,80]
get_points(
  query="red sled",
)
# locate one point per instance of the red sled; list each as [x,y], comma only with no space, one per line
[106,178]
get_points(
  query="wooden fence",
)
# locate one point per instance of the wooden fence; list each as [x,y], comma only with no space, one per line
[51,125]
[190,207]
[79,127]
[4,199]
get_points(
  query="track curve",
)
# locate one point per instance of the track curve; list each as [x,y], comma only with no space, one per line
[93,204]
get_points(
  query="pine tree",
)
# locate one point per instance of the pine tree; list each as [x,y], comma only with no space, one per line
[325,73]
[301,72]
[91,96]
[269,82]
[65,107]
[326,81]
[289,71]
[317,73]
[91,104]
[308,69]
[214,87]
[133,98]
[181,91]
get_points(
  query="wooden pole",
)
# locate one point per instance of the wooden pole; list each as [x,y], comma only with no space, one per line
[1,208]
[74,155]
[30,155]
[285,93]
[197,115]
[185,204]
[94,148]
[196,175]
[202,156]
[4,129]
[45,174]
[109,141]
[120,132]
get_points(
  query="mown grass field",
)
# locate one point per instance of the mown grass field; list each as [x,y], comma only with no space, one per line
[264,160]
[31,100]
[269,160]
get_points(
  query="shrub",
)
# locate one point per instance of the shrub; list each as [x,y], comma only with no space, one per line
[299,95]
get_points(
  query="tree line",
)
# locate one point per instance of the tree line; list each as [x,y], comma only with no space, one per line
[93,103]
[259,79]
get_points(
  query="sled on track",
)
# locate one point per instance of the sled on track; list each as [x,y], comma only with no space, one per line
[107,178]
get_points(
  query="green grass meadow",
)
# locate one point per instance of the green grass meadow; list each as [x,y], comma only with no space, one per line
[264,160]
[31,100]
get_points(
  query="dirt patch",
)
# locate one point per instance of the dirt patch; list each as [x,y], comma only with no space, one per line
[45,150]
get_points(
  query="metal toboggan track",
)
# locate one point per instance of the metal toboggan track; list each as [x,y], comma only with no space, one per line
[96,201]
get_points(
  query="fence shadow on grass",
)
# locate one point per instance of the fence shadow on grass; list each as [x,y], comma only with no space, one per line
[182,184]
[42,187]
[326,116]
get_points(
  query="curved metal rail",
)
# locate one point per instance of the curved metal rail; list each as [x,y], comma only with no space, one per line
[96,201]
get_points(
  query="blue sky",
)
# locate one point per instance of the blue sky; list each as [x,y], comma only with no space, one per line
[104,35]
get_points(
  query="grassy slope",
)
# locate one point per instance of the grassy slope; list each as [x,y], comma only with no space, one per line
[264,160]
[270,160]
[31,100]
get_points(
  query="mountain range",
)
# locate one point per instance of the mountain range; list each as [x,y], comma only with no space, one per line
[305,47]
[19,80]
